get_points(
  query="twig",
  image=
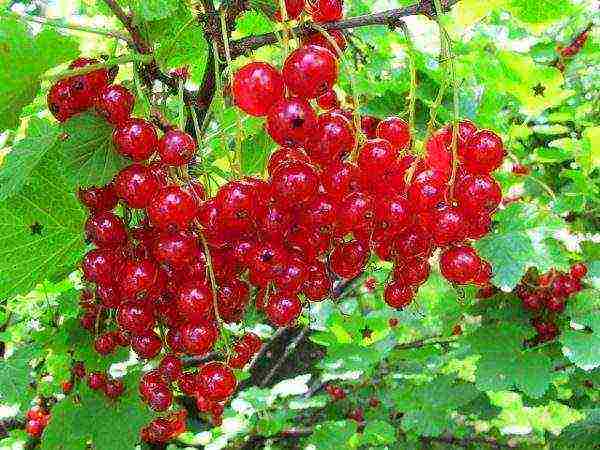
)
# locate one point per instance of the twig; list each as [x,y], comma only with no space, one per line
[139,42]
[265,348]
[388,18]
[288,351]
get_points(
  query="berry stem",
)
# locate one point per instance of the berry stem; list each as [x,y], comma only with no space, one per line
[182,115]
[123,59]
[286,27]
[59,23]
[412,94]
[199,153]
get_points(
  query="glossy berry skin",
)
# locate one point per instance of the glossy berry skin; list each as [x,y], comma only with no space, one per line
[310,71]
[176,148]
[171,209]
[106,229]
[146,345]
[98,199]
[160,397]
[333,138]
[114,388]
[395,131]
[236,200]
[483,152]
[579,270]
[34,428]
[349,259]
[105,343]
[398,295]
[234,295]
[175,249]
[356,211]
[114,103]
[136,139]
[478,193]
[375,156]
[61,101]
[327,10]
[199,339]
[427,190]
[137,277]
[460,265]
[449,226]
[217,381]
[284,155]
[290,122]
[170,368]
[195,301]
[369,124]
[392,213]
[96,380]
[293,9]
[341,179]
[283,309]
[328,100]
[98,266]
[135,317]
[318,285]
[135,185]
[257,87]
[294,182]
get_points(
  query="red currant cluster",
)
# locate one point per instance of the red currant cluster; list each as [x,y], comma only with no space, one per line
[546,295]
[319,10]
[37,419]
[324,189]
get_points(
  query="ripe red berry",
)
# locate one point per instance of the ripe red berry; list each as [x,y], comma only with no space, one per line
[310,71]
[114,103]
[114,388]
[176,148]
[147,345]
[356,212]
[36,413]
[319,39]
[341,179]
[449,226]
[96,380]
[327,10]
[427,190]
[98,199]
[284,155]
[376,156]
[579,270]
[34,428]
[171,209]
[483,152]
[399,295]
[293,10]
[176,249]
[170,367]
[328,100]
[318,285]
[395,131]
[195,301]
[257,87]
[136,139]
[137,277]
[135,317]
[99,265]
[348,259]
[199,339]
[332,139]
[160,397]
[61,101]
[217,381]
[233,297]
[290,121]
[460,264]
[478,193]
[135,185]
[106,229]
[283,309]
[105,343]
[294,182]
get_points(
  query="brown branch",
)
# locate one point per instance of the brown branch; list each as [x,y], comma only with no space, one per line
[288,351]
[388,18]
[7,425]
[139,42]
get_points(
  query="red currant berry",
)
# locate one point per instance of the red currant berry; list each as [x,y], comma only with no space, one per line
[114,103]
[99,265]
[395,131]
[135,317]
[146,345]
[171,208]
[114,388]
[478,193]
[291,121]
[348,259]
[257,87]
[328,100]
[98,199]
[137,276]
[398,295]
[160,397]
[105,343]
[175,249]
[293,10]
[579,270]
[96,380]
[176,148]
[283,309]
[34,428]
[199,339]
[105,229]
[327,10]
[61,101]
[195,301]
[310,71]
[376,156]
[483,152]
[460,264]
[294,182]
[136,139]
[217,381]
[170,368]
[319,39]
[135,185]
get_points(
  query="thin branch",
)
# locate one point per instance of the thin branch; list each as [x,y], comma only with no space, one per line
[139,42]
[265,348]
[388,18]
[288,351]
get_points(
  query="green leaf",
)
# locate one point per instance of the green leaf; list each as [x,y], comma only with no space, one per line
[590,155]
[540,11]
[582,435]
[503,364]
[378,432]
[88,416]
[255,153]
[24,58]
[581,346]
[428,407]
[87,151]
[14,377]
[153,9]
[41,229]
[332,435]
[25,155]
[522,238]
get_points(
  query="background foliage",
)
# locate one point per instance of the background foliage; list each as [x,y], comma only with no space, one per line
[454,372]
